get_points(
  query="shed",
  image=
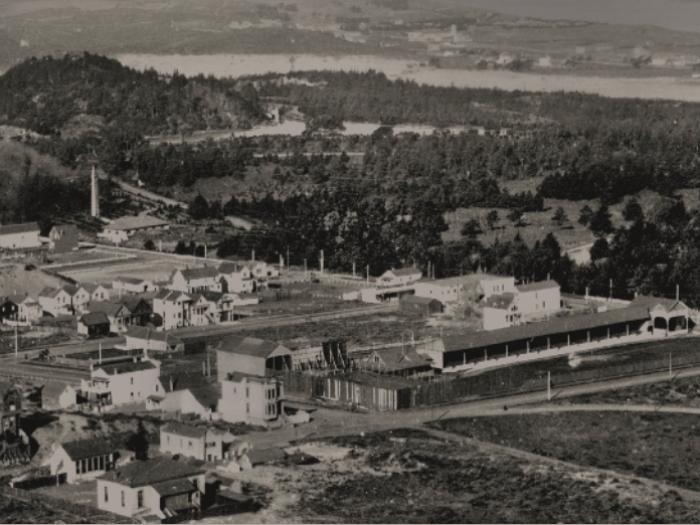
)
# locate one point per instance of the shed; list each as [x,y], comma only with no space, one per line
[420,305]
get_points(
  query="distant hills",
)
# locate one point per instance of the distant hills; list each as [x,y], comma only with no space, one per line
[58,96]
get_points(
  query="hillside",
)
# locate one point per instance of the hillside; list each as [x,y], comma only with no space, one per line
[48,94]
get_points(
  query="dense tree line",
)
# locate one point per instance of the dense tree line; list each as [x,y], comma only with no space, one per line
[44,94]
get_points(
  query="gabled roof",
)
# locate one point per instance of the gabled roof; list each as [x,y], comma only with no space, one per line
[151,472]
[94,319]
[135,222]
[130,280]
[88,448]
[65,229]
[17,299]
[204,272]
[500,301]
[650,302]
[133,303]
[175,487]
[24,227]
[111,308]
[401,359]
[71,289]
[91,287]
[51,292]
[171,295]
[184,381]
[540,285]
[183,429]
[230,267]
[242,345]
[207,395]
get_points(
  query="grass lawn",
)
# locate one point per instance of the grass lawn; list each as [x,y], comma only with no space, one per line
[661,447]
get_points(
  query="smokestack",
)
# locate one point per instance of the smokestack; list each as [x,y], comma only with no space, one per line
[252,255]
[172,385]
[204,368]
[94,194]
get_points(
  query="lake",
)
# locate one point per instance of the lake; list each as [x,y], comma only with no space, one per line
[235,65]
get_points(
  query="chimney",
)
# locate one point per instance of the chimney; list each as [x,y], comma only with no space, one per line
[172,385]
[94,194]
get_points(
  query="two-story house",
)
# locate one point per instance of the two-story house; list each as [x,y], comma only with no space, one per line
[121,383]
[173,307]
[134,285]
[236,278]
[79,296]
[83,459]
[55,301]
[197,442]
[196,280]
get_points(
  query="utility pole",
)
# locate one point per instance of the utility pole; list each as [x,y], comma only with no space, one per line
[288,258]
[205,250]
[678,292]
[305,269]
[368,274]
[99,353]
[322,265]
[16,344]
[611,289]
[354,273]
[670,365]
[549,385]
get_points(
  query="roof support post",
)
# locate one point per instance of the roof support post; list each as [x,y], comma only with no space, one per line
[527,346]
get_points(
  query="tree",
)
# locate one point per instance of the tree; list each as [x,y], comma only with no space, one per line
[559,216]
[149,245]
[600,249]
[138,442]
[600,223]
[471,228]
[632,210]
[181,248]
[515,216]
[492,219]
[199,208]
[585,215]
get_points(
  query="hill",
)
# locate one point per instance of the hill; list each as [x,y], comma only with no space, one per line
[48,94]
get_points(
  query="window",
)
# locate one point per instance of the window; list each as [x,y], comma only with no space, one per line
[106,494]
[189,444]
[157,388]
[139,499]
[167,439]
[247,391]
[247,408]
[132,380]
[123,500]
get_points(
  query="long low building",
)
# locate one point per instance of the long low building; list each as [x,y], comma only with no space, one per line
[645,315]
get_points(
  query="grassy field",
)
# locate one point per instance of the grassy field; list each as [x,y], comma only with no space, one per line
[408,476]
[684,391]
[661,447]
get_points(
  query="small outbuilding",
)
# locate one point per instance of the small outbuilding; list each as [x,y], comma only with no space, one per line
[423,306]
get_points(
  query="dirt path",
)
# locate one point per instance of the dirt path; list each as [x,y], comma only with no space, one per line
[490,448]
[596,407]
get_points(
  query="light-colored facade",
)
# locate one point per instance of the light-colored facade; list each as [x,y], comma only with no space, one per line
[173,307]
[196,280]
[19,236]
[236,279]
[251,399]
[119,230]
[55,301]
[495,285]
[82,460]
[402,277]
[191,441]
[122,383]
[539,300]
[131,285]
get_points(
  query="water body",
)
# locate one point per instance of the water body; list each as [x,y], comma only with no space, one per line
[236,65]
[681,15]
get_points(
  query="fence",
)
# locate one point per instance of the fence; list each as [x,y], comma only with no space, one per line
[499,382]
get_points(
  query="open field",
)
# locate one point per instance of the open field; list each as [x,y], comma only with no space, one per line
[411,476]
[657,446]
[677,392]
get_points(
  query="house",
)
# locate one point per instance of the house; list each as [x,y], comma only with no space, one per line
[262,271]
[94,325]
[449,290]
[161,487]
[26,309]
[420,305]
[400,361]
[250,355]
[133,285]
[500,311]
[192,441]
[141,337]
[23,236]
[9,309]
[495,284]
[58,396]
[63,238]
[539,299]
[121,229]
[123,313]
[173,308]
[401,277]
[79,297]
[122,383]
[187,394]
[196,280]
[97,292]
[669,316]
[212,308]
[84,459]
[55,301]
[252,399]
[236,278]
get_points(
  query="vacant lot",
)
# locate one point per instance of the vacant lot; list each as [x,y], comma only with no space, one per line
[407,476]
[681,392]
[661,447]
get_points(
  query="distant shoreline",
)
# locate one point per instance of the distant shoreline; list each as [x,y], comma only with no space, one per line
[237,65]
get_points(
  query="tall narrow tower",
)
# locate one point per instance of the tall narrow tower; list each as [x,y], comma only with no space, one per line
[94,194]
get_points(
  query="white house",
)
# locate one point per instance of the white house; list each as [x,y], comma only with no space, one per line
[197,442]
[79,296]
[20,236]
[122,383]
[196,280]
[540,299]
[401,277]
[97,292]
[121,229]
[58,396]
[496,284]
[133,285]
[262,271]
[188,394]
[157,487]
[28,309]
[173,307]
[236,278]
[449,290]
[251,399]
[81,460]
[500,311]
[141,337]
[55,301]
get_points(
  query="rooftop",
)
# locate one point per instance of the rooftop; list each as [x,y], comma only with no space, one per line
[135,222]
[94,319]
[649,302]
[182,429]
[88,448]
[402,272]
[557,325]
[204,272]
[540,285]
[418,300]
[397,358]
[126,368]
[174,487]
[151,472]
[24,227]
[252,346]
[500,301]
